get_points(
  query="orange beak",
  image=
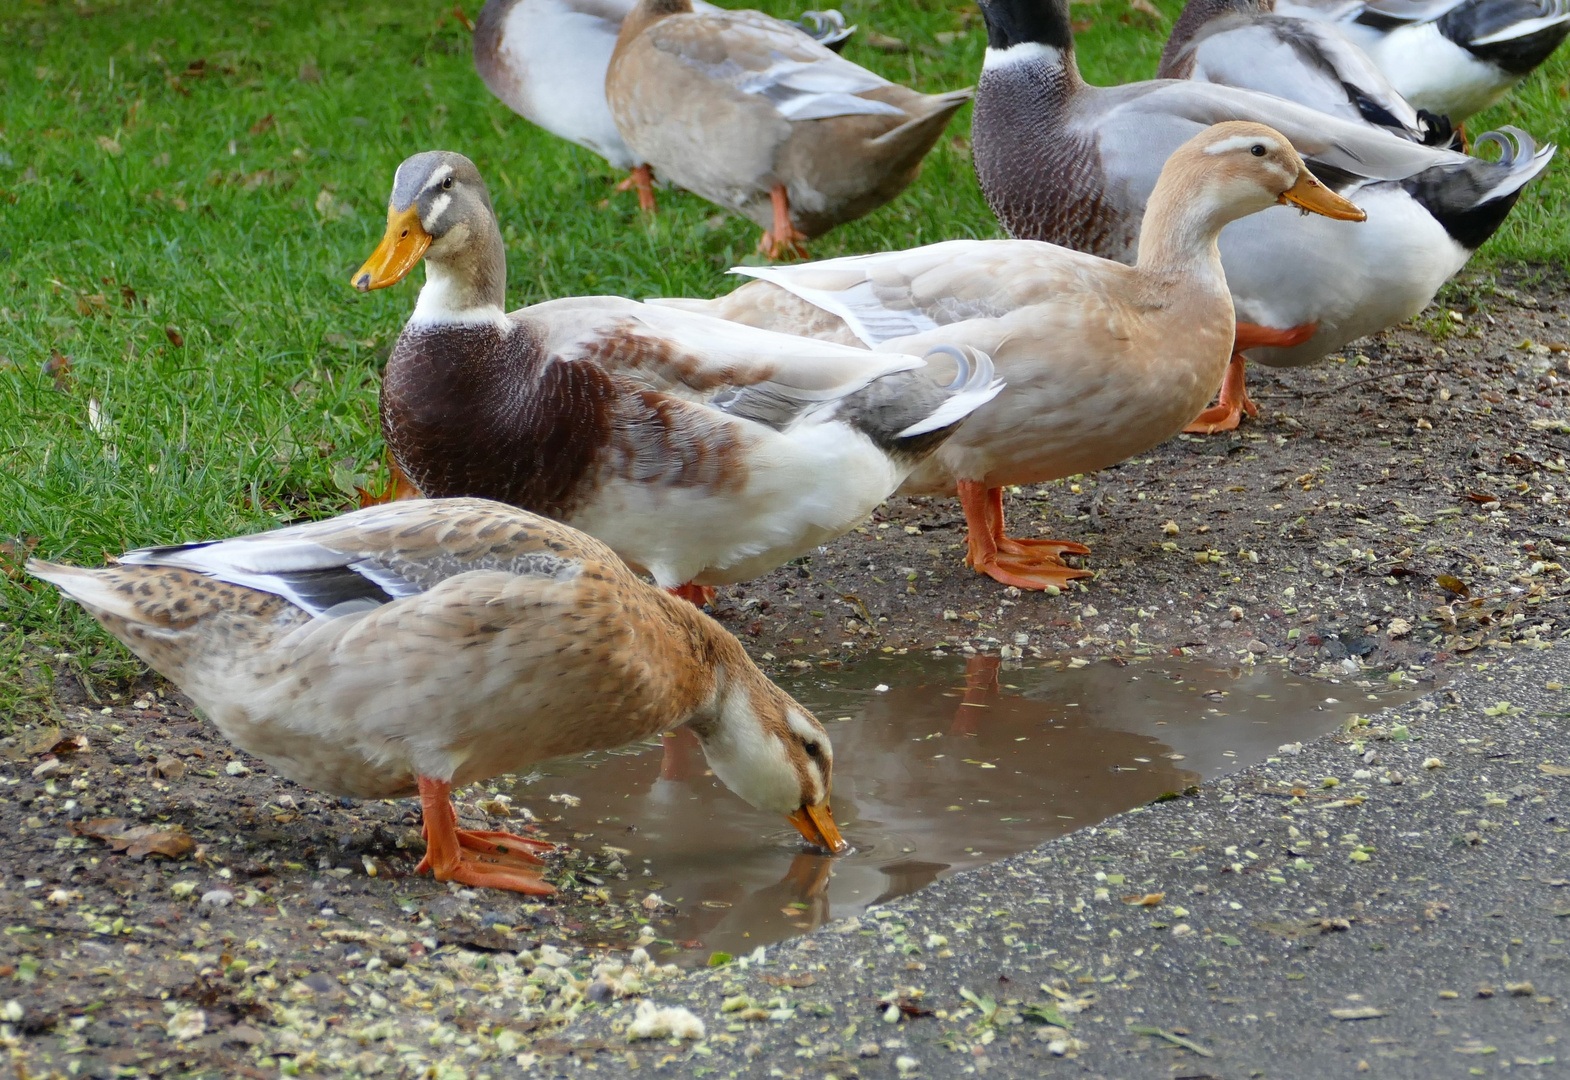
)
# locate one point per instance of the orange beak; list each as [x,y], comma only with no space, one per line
[402,245]
[816,823]
[1309,194]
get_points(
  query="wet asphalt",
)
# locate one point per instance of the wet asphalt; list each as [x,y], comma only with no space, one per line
[1391,900]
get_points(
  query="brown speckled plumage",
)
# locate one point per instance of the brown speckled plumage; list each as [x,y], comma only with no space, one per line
[514,639]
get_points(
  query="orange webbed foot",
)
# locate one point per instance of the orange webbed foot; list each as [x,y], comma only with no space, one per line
[492,860]
[784,239]
[696,595]
[1234,401]
[1024,564]
[641,179]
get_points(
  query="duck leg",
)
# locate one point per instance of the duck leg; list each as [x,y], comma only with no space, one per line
[1227,412]
[641,179]
[782,240]
[492,860]
[697,595]
[1025,564]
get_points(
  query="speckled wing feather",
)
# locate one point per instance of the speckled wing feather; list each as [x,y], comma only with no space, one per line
[696,357]
[758,55]
[383,553]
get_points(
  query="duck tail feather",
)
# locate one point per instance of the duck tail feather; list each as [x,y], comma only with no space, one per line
[975,384]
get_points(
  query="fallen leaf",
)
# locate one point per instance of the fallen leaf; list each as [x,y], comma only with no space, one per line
[1453,585]
[14,555]
[1148,8]
[138,841]
[176,338]
[463,19]
[58,368]
[1171,1037]
[885,43]
[71,744]
[1554,770]
[1145,900]
[266,123]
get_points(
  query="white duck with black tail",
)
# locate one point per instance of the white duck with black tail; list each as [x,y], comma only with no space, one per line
[1455,57]
[1063,161]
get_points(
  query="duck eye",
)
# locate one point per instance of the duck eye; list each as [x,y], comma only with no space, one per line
[1258,150]
[814,751]
[447,182]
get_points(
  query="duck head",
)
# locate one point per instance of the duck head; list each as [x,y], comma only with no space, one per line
[1226,172]
[441,211]
[768,749]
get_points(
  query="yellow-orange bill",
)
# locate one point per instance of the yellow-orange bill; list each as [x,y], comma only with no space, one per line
[402,245]
[1309,194]
[816,823]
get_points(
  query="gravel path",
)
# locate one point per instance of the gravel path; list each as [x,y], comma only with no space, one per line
[1393,899]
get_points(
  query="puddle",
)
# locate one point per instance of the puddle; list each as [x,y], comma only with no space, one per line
[940,770]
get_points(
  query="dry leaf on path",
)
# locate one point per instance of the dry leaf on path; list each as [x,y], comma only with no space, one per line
[138,841]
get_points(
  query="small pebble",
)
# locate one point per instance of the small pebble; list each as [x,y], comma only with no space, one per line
[867,1050]
[217,898]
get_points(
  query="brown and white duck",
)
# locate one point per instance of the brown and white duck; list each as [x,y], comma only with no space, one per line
[546,61]
[754,116]
[415,647]
[700,451]
[1102,360]
[1064,161]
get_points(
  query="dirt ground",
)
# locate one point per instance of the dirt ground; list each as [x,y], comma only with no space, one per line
[1398,513]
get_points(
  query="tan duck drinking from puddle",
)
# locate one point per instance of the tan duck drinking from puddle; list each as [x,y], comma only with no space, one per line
[419,646]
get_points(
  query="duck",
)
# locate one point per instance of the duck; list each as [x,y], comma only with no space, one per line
[1063,161]
[1244,43]
[1101,360]
[546,59]
[413,647]
[765,122]
[703,452]
[1454,57]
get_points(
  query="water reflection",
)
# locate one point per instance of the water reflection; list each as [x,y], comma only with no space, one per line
[939,766]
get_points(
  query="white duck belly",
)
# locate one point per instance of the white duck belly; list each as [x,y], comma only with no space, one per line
[782,508]
[1353,278]
[555,55]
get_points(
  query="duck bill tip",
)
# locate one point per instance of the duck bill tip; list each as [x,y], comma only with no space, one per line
[816,824]
[402,246]
[1310,195]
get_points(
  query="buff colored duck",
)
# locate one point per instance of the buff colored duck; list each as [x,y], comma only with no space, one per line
[546,61]
[1102,360]
[1245,43]
[417,646]
[1454,57]
[1063,161]
[765,122]
[700,451]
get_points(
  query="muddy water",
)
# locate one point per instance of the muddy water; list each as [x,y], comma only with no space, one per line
[938,767]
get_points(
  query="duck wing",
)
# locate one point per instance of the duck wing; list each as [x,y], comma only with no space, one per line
[751,54]
[362,560]
[1307,61]
[891,295]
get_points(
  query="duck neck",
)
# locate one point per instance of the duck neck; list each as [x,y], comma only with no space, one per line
[465,277]
[1178,232]
[1034,39]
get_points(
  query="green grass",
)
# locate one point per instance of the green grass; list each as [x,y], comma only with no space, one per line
[186,187]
